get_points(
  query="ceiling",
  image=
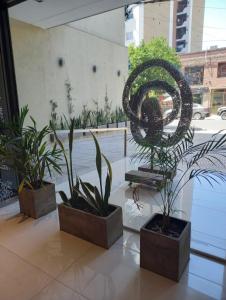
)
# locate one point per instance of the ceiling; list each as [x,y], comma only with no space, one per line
[50,13]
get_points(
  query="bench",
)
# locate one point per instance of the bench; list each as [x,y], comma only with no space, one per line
[156,170]
[150,179]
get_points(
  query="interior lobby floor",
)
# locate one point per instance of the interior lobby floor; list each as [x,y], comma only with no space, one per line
[38,261]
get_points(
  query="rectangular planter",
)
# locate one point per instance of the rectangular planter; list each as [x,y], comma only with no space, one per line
[165,255]
[37,203]
[102,231]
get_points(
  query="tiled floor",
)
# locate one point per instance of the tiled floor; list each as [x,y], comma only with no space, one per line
[39,262]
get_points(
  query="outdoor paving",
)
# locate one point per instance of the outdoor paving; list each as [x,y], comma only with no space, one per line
[112,145]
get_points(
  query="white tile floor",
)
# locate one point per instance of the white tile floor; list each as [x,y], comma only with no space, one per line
[39,262]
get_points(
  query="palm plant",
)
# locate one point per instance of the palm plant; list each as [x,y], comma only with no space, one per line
[25,149]
[83,195]
[184,157]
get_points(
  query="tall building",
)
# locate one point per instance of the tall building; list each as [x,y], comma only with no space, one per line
[179,21]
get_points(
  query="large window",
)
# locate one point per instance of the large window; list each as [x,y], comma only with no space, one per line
[218,98]
[182,5]
[180,45]
[194,75]
[222,69]
[180,32]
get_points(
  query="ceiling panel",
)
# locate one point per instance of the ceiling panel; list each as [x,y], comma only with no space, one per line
[50,13]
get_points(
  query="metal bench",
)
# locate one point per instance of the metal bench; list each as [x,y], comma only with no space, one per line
[155,170]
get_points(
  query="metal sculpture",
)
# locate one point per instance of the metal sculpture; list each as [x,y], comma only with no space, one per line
[146,115]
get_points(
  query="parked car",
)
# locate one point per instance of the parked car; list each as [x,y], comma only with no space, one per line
[199,112]
[222,112]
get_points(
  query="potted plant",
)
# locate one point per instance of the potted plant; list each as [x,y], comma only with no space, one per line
[25,150]
[86,213]
[164,239]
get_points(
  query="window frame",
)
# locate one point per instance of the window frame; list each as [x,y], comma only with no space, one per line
[218,69]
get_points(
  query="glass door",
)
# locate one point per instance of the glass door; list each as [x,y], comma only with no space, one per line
[8,103]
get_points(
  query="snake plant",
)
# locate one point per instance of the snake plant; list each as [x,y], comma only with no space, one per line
[84,195]
[98,198]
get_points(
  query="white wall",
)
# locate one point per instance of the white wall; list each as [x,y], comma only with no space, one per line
[109,26]
[136,25]
[40,79]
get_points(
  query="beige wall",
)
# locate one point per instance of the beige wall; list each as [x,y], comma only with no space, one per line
[40,79]
[156,20]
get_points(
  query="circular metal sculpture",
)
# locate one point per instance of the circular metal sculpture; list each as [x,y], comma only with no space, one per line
[145,113]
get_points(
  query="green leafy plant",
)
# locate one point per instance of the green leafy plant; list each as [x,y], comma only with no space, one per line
[156,48]
[98,198]
[85,117]
[84,195]
[185,158]
[73,186]
[118,115]
[54,114]
[98,115]
[107,108]
[25,149]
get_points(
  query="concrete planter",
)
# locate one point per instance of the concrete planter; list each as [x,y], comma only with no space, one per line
[162,254]
[37,203]
[102,231]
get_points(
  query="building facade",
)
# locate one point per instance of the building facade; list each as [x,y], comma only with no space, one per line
[206,74]
[179,22]
[88,56]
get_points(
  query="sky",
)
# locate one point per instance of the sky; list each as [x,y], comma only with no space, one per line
[214,23]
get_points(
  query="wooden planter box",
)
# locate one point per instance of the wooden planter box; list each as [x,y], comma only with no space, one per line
[102,231]
[37,203]
[165,255]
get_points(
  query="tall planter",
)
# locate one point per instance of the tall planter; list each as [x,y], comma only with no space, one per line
[102,231]
[163,254]
[37,203]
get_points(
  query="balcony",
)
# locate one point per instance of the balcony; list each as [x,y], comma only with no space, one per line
[180,45]
[181,19]
[182,5]
[181,32]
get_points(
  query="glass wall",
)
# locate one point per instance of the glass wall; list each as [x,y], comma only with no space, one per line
[73,70]
[79,69]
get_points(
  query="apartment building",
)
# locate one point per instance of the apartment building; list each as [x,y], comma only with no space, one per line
[179,22]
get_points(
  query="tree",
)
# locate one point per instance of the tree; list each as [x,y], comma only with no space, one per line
[156,48]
